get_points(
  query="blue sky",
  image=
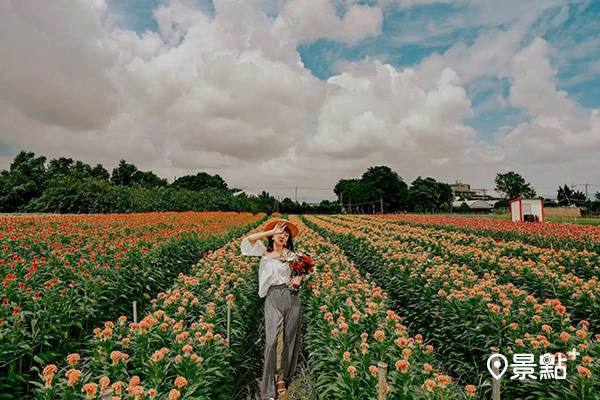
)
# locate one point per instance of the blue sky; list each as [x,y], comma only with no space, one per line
[406,39]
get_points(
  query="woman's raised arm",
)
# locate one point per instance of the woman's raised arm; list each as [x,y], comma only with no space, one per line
[251,244]
[252,238]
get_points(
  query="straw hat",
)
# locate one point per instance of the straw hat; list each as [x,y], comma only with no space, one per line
[293,228]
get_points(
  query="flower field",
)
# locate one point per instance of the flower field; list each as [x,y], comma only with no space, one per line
[62,275]
[180,348]
[464,295]
[351,328]
[564,235]
[427,301]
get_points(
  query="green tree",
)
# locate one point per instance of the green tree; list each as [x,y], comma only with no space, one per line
[383,183]
[81,170]
[63,166]
[377,183]
[123,174]
[60,167]
[353,191]
[25,180]
[513,185]
[427,194]
[266,203]
[567,196]
[99,172]
[200,181]
[148,179]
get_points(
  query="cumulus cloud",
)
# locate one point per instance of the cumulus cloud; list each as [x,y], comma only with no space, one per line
[228,93]
[489,55]
[54,64]
[374,108]
[559,129]
[311,19]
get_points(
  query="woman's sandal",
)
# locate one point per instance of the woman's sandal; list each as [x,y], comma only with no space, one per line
[281,389]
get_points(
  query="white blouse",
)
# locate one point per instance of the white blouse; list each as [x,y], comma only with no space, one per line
[272,271]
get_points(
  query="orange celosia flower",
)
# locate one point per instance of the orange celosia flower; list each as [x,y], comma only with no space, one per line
[174,394]
[73,358]
[470,389]
[180,382]
[352,371]
[583,371]
[90,390]
[346,356]
[364,347]
[134,381]
[443,380]
[402,365]
[72,376]
[379,335]
[118,386]
[104,382]
[429,385]
[50,369]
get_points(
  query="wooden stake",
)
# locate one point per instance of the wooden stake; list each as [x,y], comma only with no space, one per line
[135,312]
[495,382]
[381,380]
[107,393]
[228,321]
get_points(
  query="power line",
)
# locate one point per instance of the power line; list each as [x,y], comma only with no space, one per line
[282,188]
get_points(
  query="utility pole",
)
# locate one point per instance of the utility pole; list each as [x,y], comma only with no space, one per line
[296,194]
[586,191]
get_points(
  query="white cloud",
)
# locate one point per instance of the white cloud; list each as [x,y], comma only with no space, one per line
[374,109]
[534,87]
[229,94]
[312,19]
[559,129]
[489,55]
[54,62]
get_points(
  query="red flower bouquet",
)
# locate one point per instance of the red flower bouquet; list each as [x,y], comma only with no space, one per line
[300,263]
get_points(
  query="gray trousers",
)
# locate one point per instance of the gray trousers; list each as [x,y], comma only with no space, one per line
[282,310]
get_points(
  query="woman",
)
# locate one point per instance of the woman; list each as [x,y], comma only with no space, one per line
[282,305]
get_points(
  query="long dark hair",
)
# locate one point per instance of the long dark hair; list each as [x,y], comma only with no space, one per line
[289,245]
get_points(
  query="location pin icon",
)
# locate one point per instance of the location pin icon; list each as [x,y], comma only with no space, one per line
[497,365]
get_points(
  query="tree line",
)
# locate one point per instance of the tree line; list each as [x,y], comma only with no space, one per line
[64,185]
[382,184]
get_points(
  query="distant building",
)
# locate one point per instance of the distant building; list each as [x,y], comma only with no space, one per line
[464,191]
[475,205]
